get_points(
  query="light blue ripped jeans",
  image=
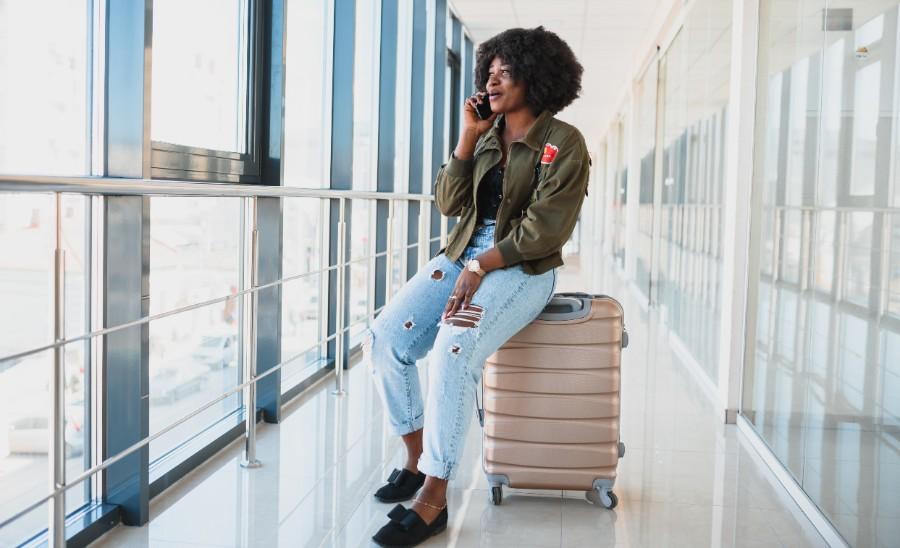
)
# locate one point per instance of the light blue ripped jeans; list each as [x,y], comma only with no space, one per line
[410,325]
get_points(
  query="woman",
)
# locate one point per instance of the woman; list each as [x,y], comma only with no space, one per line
[517,181]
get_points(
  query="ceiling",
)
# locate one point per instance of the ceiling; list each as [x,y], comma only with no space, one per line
[608,37]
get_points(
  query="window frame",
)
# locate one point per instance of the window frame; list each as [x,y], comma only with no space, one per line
[183,162]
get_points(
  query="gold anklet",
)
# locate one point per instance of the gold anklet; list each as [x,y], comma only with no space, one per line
[432,506]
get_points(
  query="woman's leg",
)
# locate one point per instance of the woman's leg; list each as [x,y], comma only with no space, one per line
[403,333]
[507,301]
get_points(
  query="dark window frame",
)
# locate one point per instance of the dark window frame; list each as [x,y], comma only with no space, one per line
[182,162]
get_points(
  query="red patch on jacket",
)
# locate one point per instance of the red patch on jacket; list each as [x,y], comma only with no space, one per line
[549,153]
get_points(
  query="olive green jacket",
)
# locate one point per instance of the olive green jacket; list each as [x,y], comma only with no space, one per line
[540,204]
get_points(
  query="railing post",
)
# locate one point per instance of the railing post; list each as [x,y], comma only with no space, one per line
[424,233]
[389,278]
[250,460]
[339,320]
[57,445]
[443,231]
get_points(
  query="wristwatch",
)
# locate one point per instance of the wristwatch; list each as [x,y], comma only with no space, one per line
[474,266]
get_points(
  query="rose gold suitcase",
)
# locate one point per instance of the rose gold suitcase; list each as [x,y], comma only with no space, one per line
[551,401]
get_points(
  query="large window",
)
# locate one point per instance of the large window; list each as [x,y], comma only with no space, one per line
[198,109]
[27,230]
[199,67]
[307,119]
[696,79]
[44,129]
[44,114]
[822,383]
[202,61]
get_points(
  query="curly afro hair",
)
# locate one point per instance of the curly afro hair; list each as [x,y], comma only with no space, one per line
[540,59]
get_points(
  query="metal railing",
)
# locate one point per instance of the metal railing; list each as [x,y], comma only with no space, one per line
[249,294]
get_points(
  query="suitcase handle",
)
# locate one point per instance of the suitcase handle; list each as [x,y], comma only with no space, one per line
[564,307]
[573,305]
[581,295]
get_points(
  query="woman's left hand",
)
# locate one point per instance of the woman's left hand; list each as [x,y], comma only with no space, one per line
[461,297]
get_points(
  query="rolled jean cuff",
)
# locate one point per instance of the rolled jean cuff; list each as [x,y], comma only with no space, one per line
[408,427]
[436,468]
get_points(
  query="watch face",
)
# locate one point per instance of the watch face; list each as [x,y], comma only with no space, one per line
[474,266]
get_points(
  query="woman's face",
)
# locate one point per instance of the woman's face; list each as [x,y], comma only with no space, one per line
[506,94]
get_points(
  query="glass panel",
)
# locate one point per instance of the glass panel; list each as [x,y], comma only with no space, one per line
[27,242]
[43,60]
[194,357]
[695,97]
[26,526]
[200,74]
[858,258]
[823,273]
[821,383]
[362,271]
[791,246]
[866,104]
[365,95]
[402,105]
[302,309]
[306,132]
[832,118]
[892,284]
[78,457]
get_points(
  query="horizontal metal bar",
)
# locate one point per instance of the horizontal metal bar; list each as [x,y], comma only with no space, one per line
[113,186]
[168,313]
[366,258]
[846,209]
[126,452]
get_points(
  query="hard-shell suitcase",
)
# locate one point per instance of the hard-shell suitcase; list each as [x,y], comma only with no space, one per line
[551,401]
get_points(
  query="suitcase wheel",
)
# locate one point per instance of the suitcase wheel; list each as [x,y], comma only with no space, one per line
[603,497]
[496,495]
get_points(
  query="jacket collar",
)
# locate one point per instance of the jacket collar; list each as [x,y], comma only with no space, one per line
[533,139]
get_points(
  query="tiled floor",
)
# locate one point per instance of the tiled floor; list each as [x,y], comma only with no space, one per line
[686,478]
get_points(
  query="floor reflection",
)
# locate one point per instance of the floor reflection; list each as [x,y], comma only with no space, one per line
[821,396]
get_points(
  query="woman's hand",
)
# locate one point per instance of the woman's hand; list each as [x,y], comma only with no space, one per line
[473,127]
[471,121]
[466,285]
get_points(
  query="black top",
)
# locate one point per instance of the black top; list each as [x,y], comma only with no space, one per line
[490,193]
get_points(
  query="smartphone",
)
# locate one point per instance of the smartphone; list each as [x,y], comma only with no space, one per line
[483,109]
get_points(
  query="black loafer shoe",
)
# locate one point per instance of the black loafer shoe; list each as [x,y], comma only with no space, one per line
[407,528]
[401,486]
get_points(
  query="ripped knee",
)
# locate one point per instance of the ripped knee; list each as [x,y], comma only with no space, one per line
[468,318]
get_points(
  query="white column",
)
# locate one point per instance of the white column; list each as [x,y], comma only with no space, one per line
[737,199]
[633,161]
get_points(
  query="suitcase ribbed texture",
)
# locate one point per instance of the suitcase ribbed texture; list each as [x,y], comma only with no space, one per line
[551,401]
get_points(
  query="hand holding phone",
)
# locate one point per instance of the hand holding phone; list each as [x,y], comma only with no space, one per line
[478,118]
